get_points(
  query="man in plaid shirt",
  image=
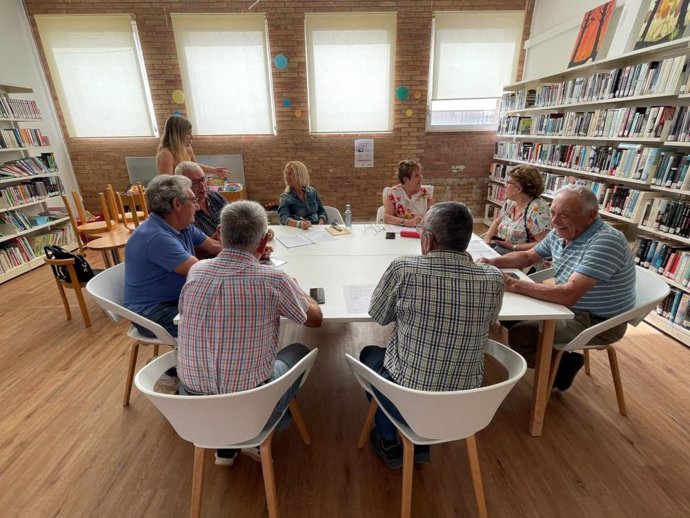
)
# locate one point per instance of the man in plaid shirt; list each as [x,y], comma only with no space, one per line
[442,305]
[230,310]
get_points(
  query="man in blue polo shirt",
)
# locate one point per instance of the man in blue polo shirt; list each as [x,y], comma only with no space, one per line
[594,277]
[160,251]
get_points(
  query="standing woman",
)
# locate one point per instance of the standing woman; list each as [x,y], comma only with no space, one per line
[300,205]
[406,203]
[175,146]
[525,218]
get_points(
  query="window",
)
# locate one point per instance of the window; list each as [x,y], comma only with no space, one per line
[98,73]
[474,55]
[224,59]
[351,68]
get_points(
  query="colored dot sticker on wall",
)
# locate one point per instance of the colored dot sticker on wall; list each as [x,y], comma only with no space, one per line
[287,103]
[409,112]
[402,93]
[417,94]
[298,113]
[280,61]
[177,114]
[178,96]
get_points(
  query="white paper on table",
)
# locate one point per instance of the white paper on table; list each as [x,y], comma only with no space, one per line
[294,240]
[318,234]
[392,228]
[358,297]
[277,262]
[478,248]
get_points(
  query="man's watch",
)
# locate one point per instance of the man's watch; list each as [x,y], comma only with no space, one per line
[514,247]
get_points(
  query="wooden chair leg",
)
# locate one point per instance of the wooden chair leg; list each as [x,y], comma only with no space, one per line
[299,422]
[476,473]
[408,464]
[156,348]
[269,477]
[82,306]
[368,422]
[587,370]
[133,353]
[555,362]
[197,481]
[618,385]
[63,296]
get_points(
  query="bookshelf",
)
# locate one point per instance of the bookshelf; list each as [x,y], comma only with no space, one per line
[620,126]
[29,179]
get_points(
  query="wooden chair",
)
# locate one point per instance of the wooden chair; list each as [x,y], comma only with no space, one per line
[111,196]
[235,420]
[93,227]
[140,197]
[438,417]
[72,284]
[649,290]
[128,210]
[108,288]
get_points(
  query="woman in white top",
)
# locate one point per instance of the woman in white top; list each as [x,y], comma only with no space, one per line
[525,218]
[406,203]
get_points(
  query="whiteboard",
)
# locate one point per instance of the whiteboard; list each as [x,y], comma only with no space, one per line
[143,168]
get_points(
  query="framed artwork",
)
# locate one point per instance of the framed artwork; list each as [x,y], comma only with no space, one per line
[665,21]
[591,34]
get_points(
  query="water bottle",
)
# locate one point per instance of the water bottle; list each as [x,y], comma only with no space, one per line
[348,216]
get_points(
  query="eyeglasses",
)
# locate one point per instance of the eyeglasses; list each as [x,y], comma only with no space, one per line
[193,199]
[198,182]
[420,229]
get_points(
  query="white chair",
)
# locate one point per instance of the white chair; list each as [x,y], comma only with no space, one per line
[235,420]
[333,214]
[108,288]
[649,290]
[437,417]
[379,214]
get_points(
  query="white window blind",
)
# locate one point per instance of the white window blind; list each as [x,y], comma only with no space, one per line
[224,59]
[98,72]
[474,55]
[351,68]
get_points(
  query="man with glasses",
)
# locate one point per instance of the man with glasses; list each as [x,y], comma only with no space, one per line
[207,216]
[160,251]
[442,305]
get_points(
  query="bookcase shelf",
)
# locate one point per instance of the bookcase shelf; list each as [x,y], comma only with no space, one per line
[567,108]
[28,180]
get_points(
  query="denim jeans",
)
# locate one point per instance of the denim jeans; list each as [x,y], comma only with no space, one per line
[163,314]
[372,356]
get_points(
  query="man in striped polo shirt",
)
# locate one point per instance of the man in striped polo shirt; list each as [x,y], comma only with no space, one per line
[594,277]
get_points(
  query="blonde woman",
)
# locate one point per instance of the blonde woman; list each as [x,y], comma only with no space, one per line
[406,203]
[300,205]
[176,146]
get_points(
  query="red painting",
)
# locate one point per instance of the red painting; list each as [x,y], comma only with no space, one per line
[591,34]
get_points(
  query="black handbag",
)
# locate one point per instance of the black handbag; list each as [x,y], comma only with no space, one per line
[83,268]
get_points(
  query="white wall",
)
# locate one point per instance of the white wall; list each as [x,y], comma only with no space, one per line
[555,25]
[20,66]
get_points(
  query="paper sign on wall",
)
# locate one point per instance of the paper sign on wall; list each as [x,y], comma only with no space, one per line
[364,152]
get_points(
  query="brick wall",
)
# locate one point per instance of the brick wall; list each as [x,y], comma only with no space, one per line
[98,162]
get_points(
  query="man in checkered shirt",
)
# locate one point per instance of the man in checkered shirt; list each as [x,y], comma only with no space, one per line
[230,310]
[442,305]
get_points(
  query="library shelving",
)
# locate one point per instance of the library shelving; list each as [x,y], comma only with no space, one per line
[620,126]
[29,178]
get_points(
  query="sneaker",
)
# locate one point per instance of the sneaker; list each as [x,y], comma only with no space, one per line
[422,454]
[167,384]
[253,453]
[567,369]
[226,457]
[389,451]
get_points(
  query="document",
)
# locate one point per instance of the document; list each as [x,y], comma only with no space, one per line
[478,248]
[358,297]
[294,240]
[273,261]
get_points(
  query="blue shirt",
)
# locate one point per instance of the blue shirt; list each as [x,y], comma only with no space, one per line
[602,253]
[153,251]
[290,206]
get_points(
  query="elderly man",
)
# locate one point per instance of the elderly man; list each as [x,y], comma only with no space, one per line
[160,251]
[594,277]
[207,216]
[230,311]
[442,305]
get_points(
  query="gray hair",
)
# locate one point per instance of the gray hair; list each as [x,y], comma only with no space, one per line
[163,189]
[451,223]
[185,166]
[243,224]
[588,200]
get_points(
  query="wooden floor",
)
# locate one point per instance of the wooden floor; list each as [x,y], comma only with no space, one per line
[69,449]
